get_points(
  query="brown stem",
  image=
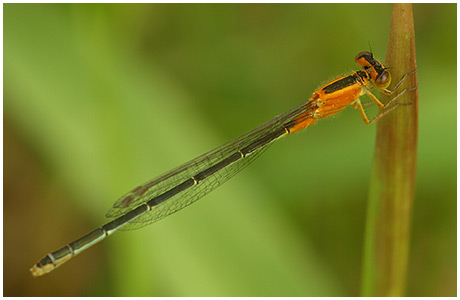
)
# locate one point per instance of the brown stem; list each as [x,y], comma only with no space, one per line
[393,177]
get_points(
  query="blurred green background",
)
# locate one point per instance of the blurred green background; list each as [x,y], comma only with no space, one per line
[100,98]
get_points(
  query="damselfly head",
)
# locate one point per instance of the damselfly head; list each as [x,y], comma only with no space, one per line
[379,74]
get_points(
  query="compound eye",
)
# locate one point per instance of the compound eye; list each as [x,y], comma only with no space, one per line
[383,80]
[363,54]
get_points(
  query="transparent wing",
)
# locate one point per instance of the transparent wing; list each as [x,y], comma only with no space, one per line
[155,187]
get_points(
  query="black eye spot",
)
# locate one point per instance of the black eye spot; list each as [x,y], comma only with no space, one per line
[364,55]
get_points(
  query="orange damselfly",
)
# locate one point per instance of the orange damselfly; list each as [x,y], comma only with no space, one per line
[180,187]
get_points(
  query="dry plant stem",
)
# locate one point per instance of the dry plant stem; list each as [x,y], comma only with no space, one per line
[393,177]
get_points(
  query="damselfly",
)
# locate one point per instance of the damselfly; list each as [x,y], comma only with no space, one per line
[184,185]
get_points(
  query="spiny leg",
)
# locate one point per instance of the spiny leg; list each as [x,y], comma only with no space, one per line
[383,113]
[390,92]
[358,105]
